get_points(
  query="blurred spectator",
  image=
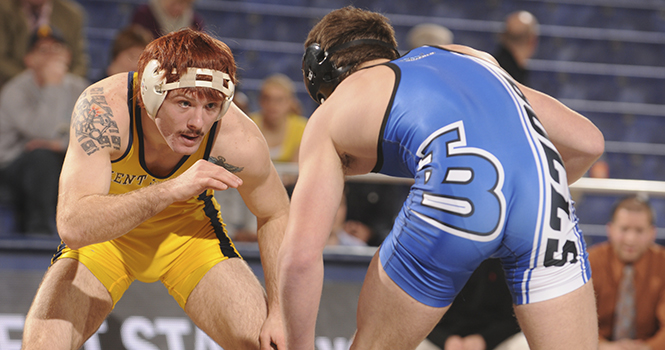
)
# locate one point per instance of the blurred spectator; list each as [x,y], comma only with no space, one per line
[629,279]
[481,316]
[165,16]
[348,232]
[429,34]
[278,118]
[283,129]
[375,205]
[517,44]
[600,169]
[20,18]
[127,47]
[241,100]
[35,110]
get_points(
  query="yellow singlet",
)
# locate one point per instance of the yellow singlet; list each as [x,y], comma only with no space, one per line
[177,246]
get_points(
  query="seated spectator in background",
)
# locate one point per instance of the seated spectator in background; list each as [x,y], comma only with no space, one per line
[127,47]
[240,222]
[375,205]
[428,34]
[629,279]
[35,110]
[21,18]
[517,44]
[600,169]
[164,16]
[242,101]
[348,232]
[279,118]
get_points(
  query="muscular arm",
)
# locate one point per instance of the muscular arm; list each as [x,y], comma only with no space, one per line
[269,202]
[87,213]
[244,151]
[314,203]
[577,139]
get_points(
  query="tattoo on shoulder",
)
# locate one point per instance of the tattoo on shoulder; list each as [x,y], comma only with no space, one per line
[221,161]
[93,121]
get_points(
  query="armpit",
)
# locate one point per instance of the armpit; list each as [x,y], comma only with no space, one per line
[93,122]
[347,162]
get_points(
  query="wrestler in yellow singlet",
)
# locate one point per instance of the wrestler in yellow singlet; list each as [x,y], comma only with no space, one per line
[177,246]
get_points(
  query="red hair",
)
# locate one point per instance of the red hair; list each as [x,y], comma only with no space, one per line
[186,48]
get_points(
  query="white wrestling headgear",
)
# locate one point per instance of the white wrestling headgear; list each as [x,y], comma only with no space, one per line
[154,86]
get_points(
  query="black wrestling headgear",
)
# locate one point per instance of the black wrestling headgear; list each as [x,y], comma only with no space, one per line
[321,75]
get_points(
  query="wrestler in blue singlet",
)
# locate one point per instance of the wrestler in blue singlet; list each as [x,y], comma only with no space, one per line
[488,183]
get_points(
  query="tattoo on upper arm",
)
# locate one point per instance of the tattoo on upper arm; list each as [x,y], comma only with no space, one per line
[93,122]
[221,161]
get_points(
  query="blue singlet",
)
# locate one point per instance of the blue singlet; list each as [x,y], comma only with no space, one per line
[488,183]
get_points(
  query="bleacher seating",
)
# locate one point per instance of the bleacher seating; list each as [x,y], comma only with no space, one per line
[623,39]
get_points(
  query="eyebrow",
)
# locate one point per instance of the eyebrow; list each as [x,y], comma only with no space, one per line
[181,93]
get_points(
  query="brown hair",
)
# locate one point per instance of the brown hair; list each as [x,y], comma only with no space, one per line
[186,48]
[635,204]
[131,36]
[348,24]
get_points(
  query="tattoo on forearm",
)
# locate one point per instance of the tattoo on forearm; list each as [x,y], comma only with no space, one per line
[221,161]
[93,122]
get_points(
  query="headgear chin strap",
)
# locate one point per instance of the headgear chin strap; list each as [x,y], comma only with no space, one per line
[154,86]
[321,75]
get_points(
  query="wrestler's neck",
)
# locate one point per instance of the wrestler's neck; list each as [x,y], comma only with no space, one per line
[373,63]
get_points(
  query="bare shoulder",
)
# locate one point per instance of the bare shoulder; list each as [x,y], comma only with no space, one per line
[361,98]
[100,121]
[352,117]
[471,52]
[239,145]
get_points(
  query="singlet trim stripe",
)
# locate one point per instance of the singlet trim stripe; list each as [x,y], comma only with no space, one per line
[131,105]
[211,140]
[225,244]
[58,252]
[379,146]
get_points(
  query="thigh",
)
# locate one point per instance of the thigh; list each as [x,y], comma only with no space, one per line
[547,262]
[188,259]
[566,322]
[388,318]
[229,304]
[106,262]
[71,303]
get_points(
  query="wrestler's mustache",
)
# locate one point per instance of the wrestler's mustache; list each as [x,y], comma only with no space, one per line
[192,133]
